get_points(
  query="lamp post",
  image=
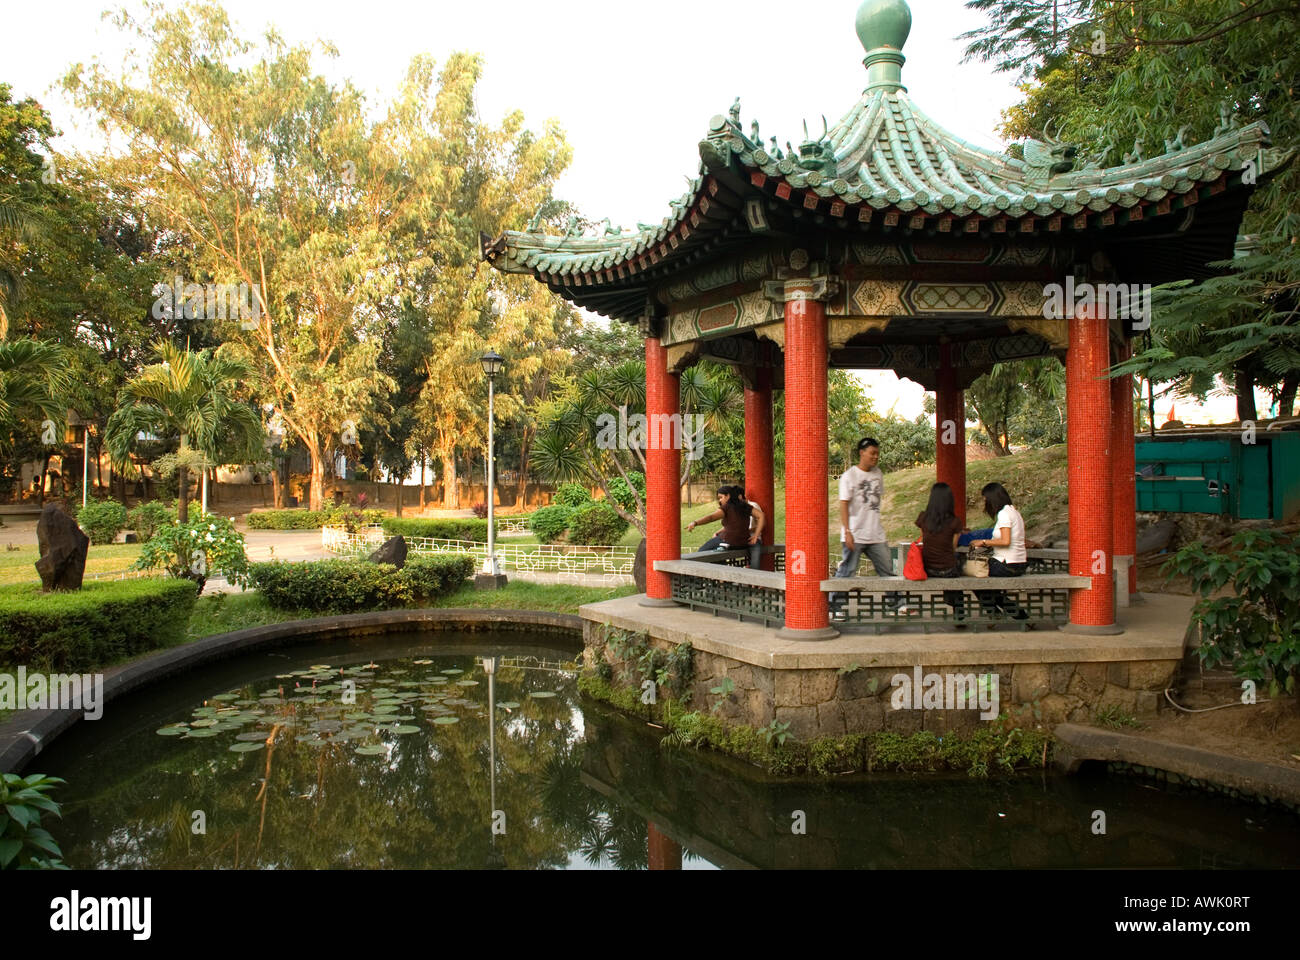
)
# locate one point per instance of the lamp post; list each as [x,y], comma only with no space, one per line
[491,578]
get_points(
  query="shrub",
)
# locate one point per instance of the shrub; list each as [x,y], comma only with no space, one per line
[312,519]
[572,495]
[1256,628]
[456,528]
[82,630]
[480,510]
[102,520]
[24,843]
[596,524]
[147,518]
[621,493]
[192,550]
[550,523]
[347,586]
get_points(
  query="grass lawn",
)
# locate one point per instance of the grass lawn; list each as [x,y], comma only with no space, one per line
[19,566]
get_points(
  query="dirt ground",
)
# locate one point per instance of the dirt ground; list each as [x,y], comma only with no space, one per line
[1268,732]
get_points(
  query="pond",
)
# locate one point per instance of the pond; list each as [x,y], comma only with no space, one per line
[381,754]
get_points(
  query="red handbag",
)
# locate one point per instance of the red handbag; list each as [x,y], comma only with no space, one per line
[914,568]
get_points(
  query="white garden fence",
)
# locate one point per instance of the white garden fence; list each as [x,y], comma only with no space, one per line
[609,562]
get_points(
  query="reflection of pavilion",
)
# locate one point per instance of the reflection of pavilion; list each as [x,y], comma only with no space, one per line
[891,243]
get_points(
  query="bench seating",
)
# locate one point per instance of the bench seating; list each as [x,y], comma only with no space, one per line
[1045,597]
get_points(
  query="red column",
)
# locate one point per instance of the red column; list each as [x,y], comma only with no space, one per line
[806,539]
[663,852]
[950,430]
[1088,465]
[663,471]
[1123,466]
[759,484]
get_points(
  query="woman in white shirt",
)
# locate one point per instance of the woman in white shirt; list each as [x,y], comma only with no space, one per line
[1010,558]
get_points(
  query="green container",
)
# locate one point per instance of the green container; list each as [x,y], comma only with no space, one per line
[1220,473]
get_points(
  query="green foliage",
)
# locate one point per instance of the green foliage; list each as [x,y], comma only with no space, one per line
[102,520]
[723,692]
[299,519]
[24,843]
[777,731]
[621,492]
[1256,627]
[550,523]
[348,586]
[455,528]
[84,629]
[1115,718]
[904,443]
[147,518]
[572,495]
[192,550]
[596,524]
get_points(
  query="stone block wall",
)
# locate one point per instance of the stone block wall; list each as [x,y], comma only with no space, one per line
[831,703]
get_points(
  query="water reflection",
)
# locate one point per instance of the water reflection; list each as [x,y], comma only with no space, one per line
[289,774]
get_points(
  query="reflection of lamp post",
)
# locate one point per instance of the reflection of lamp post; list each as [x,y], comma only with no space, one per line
[495,859]
[491,578]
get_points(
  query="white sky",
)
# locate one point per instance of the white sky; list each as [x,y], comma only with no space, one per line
[634,85]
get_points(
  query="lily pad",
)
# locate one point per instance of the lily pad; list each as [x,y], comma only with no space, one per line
[387,708]
[223,697]
[508,704]
[252,736]
[170,731]
[373,750]
[207,722]
[247,747]
[404,728]
[542,694]
[422,663]
[467,683]
[202,733]
[446,719]
[452,671]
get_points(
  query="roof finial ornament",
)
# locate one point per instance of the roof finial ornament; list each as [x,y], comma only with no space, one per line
[1136,155]
[735,113]
[1047,157]
[754,136]
[535,224]
[1176,144]
[1097,159]
[776,150]
[883,26]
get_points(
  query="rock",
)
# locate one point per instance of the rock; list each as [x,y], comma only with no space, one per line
[391,551]
[638,567]
[63,550]
[1158,536]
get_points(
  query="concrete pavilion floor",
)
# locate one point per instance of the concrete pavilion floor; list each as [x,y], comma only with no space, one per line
[1154,629]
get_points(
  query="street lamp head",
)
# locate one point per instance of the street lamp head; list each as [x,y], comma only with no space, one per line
[493,363]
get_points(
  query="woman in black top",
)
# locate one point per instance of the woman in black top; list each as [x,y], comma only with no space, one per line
[940,530]
[735,513]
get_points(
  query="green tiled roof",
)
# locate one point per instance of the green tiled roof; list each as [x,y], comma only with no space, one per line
[886,162]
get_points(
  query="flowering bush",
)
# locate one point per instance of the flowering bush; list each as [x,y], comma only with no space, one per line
[480,510]
[192,550]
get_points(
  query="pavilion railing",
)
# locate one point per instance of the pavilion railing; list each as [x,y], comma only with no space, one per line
[721,582]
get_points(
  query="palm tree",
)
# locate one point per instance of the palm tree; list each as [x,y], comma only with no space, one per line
[19,222]
[190,395]
[32,375]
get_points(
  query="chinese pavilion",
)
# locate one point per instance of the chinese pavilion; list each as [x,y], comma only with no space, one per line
[891,243]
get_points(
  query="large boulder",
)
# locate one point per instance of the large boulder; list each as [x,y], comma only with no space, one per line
[638,567]
[391,551]
[63,550]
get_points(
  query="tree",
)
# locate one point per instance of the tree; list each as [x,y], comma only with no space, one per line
[191,396]
[267,172]
[1143,71]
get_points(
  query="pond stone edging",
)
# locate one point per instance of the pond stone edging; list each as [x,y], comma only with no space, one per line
[24,735]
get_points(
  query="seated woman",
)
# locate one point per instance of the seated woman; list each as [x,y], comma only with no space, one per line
[1010,558]
[940,530]
[735,513]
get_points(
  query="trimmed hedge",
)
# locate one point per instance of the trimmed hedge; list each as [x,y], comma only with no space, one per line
[550,523]
[596,525]
[453,528]
[102,520]
[572,495]
[84,630]
[349,586]
[297,519]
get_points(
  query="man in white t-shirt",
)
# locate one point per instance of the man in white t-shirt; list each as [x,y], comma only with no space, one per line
[862,490]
